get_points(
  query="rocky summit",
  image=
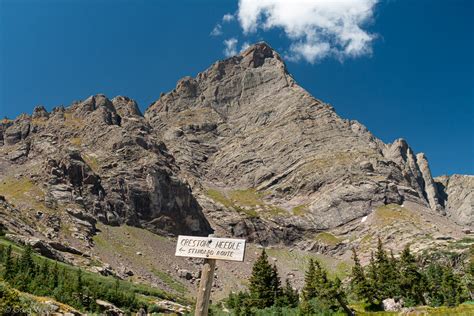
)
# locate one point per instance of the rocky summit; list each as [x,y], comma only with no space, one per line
[241,149]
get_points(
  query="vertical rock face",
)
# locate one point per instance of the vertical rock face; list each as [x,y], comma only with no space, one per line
[430,187]
[457,196]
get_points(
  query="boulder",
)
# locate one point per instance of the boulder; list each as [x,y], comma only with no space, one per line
[109,309]
[391,305]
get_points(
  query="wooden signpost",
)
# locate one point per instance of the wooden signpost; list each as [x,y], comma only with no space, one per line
[212,249]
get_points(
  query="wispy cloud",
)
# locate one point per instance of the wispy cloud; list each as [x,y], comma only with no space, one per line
[228,17]
[217,30]
[316,28]
[230,47]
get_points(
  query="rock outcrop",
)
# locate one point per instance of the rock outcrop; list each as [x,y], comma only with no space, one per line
[96,160]
[457,193]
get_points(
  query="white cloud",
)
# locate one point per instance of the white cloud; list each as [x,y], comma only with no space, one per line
[217,30]
[316,28]
[230,47]
[228,17]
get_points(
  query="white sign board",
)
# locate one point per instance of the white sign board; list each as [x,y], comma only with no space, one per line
[211,248]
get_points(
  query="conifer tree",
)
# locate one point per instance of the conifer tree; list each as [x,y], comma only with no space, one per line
[434,276]
[309,289]
[412,283]
[262,283]
[394,276]
[54,280]
[384,272]
[275,284]
[79,287]
[289,296]
[10,266]
[451,288]
[359,283]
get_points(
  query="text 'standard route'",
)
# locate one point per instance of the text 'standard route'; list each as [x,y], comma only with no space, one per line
[211,248]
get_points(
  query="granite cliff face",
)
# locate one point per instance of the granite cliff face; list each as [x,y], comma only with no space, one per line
[240,149]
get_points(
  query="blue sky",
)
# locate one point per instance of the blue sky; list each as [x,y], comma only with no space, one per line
[417,82]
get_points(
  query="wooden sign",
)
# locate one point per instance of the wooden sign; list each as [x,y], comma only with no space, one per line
[211,248]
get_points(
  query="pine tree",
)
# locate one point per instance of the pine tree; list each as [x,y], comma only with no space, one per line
[261,287]
[372,281]
[385,281]
[394,277]
[54,280]
[289,296]
[412,283]
[79,287]
[10,266]
[26,263]
[275,284]
[469,279]
[309,289]
[359,283]
[434,276]
[452,288]
[26,271]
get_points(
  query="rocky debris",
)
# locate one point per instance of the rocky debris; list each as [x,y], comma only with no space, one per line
[19,130]
[172,307]
[141,312]
[40,112]
[185,274]
[457,193]
[66,248]
[37,244]
[127,272]
[105,270]
[391,305]
[442,237]
[21,152]
[109,309]
[50,307]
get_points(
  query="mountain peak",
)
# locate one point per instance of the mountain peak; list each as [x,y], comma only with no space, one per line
[257,53]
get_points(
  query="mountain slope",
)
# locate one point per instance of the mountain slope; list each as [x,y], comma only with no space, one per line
[240,149]
[243,129]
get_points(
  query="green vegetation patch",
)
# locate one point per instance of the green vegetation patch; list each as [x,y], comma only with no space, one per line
[72,121]
[464,243]
[327,238]
[39,121]
[387,214]
[247,201]
[35,274]
[76,141]
[91,161]
[299,260]
[170,281]
[23,191]
[300,210]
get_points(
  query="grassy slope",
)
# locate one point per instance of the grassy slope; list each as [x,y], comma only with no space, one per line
[145,293]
